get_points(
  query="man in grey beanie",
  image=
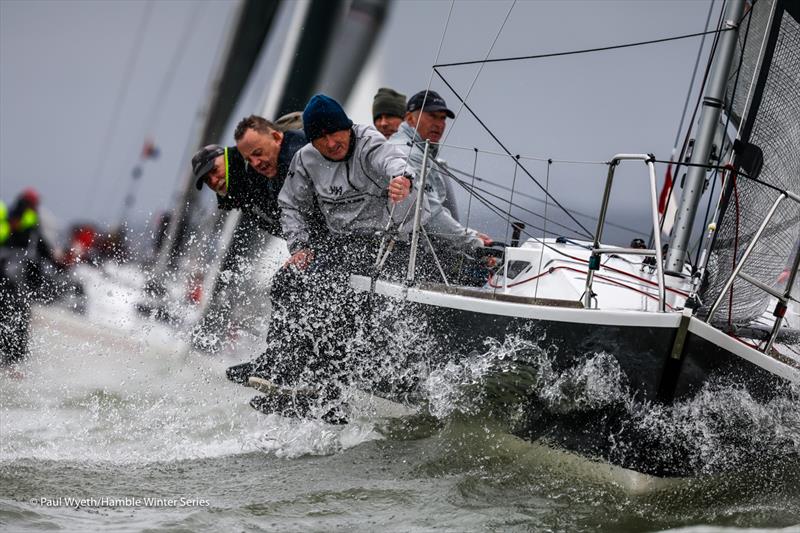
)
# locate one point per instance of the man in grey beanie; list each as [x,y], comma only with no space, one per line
[388,109]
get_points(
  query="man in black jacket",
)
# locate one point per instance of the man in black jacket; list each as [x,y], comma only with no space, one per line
[252,187]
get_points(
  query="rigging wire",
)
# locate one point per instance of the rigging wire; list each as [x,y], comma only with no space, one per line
[447,170]
[470,189]
[531,197]
[177,57]
[430,79]
[511,201]
[386,244]
[739,173]
[117,108]
[694,76]
[499,142]
[469,202]
[583,51]
[474,177]
[541,159]
[477,74]
[161,95]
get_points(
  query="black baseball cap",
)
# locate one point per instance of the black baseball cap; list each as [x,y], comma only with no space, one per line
[433,102]
[203,162]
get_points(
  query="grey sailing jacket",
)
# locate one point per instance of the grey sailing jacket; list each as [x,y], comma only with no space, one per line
[443,222]
[352,193]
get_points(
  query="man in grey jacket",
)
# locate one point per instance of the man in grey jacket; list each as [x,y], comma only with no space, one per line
[359,182]
[352,172]
[425,119]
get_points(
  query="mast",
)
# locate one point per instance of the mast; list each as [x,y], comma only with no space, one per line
[709,117]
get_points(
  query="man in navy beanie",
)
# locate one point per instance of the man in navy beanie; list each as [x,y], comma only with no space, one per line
[339,168]
[358,181]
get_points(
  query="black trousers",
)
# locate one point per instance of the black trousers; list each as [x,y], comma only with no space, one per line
[324,334]
[15,317]
[313,335]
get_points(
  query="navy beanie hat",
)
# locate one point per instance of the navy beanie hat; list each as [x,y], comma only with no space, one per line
[324,115]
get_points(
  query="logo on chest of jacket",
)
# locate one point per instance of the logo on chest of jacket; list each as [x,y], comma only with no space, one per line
[335,190]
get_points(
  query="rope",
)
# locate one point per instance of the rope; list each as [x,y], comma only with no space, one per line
[583,272]
[724,130]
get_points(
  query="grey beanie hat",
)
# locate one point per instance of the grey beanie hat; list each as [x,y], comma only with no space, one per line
[290,121]
[388,102]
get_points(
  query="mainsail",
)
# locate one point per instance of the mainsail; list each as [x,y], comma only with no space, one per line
[768,101]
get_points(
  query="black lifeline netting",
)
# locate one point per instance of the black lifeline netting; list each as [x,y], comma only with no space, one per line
[772,124]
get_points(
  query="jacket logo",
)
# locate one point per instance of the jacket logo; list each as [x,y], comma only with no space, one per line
[335,189]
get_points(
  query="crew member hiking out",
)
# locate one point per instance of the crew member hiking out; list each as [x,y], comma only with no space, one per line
[359,181]
[252,188]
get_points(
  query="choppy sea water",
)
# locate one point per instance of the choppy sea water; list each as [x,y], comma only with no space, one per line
[115,425]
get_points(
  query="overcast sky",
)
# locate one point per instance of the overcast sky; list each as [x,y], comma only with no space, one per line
[74,113]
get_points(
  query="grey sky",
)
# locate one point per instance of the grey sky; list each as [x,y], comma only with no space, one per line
[63,64]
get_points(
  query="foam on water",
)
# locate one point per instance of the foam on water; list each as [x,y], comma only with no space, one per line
[110,386]
[720,428]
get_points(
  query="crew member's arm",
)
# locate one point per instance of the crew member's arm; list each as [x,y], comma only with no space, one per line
[386,159]
[296,199]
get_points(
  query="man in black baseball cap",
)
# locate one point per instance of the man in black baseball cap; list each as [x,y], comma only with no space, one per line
[251,186]
[208,166]
[427,111]
[237,185]
[426,118]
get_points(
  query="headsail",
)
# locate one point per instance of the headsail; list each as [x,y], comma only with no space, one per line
[766,105]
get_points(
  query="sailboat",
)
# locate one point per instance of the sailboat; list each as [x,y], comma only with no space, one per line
[667,327]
